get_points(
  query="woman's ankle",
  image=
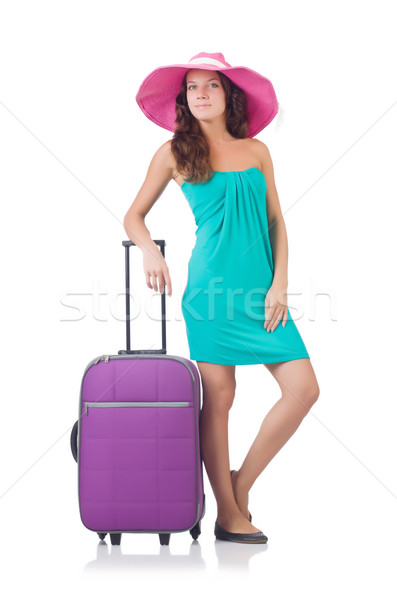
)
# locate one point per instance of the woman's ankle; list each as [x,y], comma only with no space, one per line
[227,511]
[240,483]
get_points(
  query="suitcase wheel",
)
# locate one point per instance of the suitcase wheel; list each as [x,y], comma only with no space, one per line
[164,538]
[115,538]
[195,531]
[102,535]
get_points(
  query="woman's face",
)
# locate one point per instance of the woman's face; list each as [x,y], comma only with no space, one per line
[204,94]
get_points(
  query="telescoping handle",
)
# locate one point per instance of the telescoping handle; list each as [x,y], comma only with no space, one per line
[163,350]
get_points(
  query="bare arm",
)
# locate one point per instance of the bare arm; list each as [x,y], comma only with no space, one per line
[277,229]
[276,302]
[158,176]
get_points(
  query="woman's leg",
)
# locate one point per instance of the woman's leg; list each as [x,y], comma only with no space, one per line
[219,384]
[300,391]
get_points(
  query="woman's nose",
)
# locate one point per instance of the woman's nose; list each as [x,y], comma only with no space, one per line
[201,94]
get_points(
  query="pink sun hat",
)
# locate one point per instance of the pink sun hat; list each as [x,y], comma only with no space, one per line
[157,93]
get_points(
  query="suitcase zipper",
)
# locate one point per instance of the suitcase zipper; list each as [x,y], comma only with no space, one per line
[103,356]
[131,404]
[136,356]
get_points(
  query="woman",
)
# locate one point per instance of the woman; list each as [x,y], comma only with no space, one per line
[241,250]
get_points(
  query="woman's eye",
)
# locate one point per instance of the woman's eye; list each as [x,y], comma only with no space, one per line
[192,86]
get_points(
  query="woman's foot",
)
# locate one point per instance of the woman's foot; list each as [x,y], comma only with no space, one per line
[235,523]
[240,496]
[257,537]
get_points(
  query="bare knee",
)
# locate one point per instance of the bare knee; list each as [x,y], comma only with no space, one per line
[219,396]
[312,393]
[306,394]
[309,393]
[219,385]
[298,380]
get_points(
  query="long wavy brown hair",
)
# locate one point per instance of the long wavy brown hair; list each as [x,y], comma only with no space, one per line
[189,146]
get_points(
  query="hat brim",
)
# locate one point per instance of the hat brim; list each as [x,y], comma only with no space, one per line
[157,94]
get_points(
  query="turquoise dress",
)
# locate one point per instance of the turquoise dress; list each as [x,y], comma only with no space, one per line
[229,273]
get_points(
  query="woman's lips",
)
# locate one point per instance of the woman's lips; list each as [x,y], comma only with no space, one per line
[203,105]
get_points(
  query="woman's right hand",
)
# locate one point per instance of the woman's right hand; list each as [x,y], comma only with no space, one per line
[155,267]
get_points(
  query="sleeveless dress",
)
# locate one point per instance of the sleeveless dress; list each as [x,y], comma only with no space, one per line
[229,273]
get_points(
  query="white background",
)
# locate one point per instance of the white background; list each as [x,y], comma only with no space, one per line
[74,150]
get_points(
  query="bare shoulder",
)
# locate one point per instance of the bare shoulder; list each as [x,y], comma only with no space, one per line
[263,152]
[163,155]
[168,158]
[159,174]
[161,164]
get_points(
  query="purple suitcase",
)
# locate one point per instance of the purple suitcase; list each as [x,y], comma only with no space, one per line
[136,441]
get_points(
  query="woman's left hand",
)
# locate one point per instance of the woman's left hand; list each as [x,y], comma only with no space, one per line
[276,307]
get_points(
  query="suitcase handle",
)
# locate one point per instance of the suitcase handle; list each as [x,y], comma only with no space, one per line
[163,349]
[73,440]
